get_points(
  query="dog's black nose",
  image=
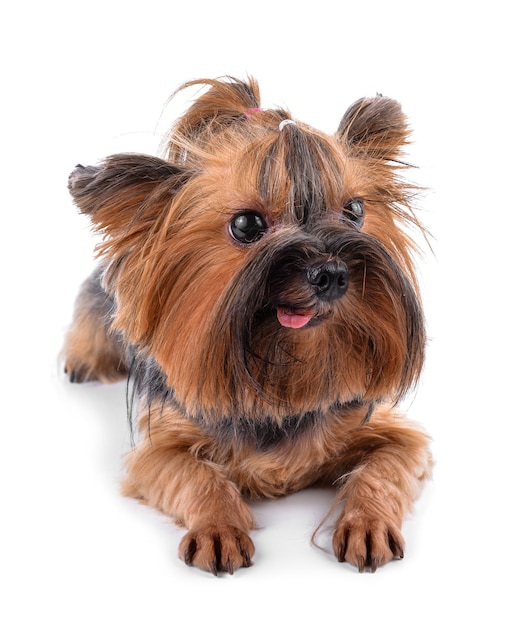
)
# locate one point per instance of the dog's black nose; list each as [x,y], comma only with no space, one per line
[329,279]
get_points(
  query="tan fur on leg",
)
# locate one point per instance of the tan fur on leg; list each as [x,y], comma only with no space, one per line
[92,351]
[169,471]
[392,462]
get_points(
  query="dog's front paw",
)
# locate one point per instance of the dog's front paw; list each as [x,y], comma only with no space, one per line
[217,548]
[367,542]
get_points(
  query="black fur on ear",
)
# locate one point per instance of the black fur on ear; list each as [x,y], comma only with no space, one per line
[375,128]
[121,184]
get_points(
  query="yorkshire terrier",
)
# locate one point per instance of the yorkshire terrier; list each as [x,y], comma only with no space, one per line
[257,287]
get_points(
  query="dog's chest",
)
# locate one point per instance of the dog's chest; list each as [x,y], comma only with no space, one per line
[267,461]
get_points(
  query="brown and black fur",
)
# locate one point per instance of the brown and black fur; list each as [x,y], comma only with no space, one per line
[234,404]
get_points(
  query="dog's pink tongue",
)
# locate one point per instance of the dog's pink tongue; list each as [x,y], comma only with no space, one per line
[290,318]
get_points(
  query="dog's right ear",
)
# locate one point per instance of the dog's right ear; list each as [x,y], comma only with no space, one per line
[125,189]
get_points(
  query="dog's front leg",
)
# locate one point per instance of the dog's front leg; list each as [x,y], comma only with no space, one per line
[386,464]
[171,471]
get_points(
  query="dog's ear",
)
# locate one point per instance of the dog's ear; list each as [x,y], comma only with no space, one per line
[124,189]
[374,128]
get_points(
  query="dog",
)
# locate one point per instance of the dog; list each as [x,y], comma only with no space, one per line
[257,287]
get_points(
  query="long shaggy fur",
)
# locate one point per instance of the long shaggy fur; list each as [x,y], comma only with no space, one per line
[236,402]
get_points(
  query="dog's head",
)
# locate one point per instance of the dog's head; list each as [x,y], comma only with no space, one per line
[262,264]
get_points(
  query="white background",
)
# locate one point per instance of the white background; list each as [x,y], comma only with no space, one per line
[83,80]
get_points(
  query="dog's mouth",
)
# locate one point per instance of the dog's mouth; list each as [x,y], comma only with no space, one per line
[295,318]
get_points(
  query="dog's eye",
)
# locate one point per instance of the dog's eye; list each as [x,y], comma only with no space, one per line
[354,211]
[248,227]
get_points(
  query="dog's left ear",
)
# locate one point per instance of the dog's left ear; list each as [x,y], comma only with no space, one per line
[374,128]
